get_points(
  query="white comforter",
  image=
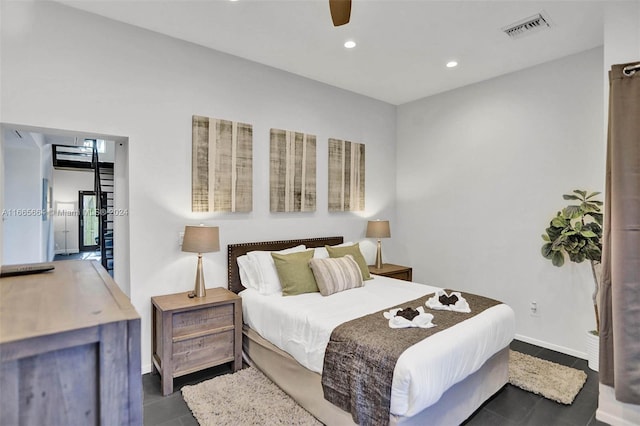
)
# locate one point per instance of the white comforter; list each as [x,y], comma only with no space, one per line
[301,325]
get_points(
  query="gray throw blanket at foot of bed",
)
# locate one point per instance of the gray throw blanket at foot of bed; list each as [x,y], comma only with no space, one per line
[362,354]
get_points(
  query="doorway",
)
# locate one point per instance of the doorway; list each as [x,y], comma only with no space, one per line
[13,136]
[89,227]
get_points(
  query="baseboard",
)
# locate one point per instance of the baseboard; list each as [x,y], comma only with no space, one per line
[612,420]
[547,345]
[614,412]
[71,251]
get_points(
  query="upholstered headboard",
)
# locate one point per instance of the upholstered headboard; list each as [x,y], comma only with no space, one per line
[236,250]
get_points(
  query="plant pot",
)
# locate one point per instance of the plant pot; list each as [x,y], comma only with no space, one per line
[593,350]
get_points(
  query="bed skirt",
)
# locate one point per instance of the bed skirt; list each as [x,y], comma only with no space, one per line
[305,387]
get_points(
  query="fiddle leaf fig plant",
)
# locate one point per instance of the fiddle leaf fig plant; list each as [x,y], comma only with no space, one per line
[576,232]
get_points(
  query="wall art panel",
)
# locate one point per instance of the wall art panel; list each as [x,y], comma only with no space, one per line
[346,176]
[222,174]
[292,182]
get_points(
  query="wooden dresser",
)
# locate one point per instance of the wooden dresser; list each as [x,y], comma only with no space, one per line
[191,334]
[69,349]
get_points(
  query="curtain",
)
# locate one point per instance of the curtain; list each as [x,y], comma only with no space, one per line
[620,292]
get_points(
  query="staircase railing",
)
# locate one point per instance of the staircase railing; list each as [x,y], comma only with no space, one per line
[104,213]
[95,163]
[75,157]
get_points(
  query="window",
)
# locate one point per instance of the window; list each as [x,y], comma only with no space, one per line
[99,144]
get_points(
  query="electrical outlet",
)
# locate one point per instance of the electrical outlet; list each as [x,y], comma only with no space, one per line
[180,238]
[534,310]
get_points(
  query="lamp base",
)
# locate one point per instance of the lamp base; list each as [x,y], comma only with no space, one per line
[379,256]
[199,290]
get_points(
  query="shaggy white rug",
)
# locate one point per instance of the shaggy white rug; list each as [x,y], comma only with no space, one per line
[246,397]
[548,379]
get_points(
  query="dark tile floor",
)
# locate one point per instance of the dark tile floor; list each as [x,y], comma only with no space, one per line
[513,406]
[83,255]
[510,406]
[171,410]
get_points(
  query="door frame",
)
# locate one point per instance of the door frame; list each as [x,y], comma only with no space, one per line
[81,246]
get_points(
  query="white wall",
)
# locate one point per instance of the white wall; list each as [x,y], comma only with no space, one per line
[621,33]
[120,222]
[22,200]
[146,89]
[2,156]
[66,185]
[2,159]
[481,172]
[29,162]
[109,154]
[621,46]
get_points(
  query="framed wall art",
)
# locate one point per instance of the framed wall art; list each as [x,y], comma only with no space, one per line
[292,171]
[346,175]
[222,165]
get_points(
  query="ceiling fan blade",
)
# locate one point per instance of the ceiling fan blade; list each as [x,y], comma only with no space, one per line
[340,11]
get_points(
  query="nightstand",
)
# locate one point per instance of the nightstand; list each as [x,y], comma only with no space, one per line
[393,271]
[191,334]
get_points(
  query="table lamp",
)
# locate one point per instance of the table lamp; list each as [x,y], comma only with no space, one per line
[200,239]
[378,229]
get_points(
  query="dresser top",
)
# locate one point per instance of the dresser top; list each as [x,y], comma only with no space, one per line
[76,294]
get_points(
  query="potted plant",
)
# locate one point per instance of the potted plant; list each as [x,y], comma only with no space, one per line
[576,231]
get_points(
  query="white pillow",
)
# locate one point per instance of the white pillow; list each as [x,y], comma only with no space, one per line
[249,276]
[322,253]
[267,275]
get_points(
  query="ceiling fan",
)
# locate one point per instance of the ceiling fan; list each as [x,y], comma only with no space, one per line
[340,11]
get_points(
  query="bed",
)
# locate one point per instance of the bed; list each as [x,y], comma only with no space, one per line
[295,368]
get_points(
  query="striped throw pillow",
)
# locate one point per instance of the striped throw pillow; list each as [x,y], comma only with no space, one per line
[336,274]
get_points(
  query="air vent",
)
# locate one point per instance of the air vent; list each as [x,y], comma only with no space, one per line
[527,26]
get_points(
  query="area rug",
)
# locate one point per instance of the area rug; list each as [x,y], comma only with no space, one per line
[548,379]
[244,398]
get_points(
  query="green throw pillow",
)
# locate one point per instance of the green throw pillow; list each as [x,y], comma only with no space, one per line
[354,251]
[294,272]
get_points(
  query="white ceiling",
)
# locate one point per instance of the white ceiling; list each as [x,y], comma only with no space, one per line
[402,49]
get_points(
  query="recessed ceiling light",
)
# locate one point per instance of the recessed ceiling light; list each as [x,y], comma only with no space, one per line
[452,64]
[349,44]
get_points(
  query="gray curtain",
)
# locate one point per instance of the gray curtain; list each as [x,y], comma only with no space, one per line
[620,292]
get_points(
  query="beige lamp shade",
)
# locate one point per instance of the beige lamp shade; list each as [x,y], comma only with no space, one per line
[378,229]
[201,239]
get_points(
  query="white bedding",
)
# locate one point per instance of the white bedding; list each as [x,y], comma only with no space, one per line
[301,325]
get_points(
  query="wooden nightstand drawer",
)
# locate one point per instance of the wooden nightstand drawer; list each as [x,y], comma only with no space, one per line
[201,352]
[405,275]
[393,271]
[200,320]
